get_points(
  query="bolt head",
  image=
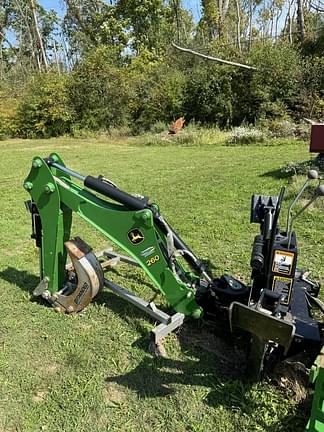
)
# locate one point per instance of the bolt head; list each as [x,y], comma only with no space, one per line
[146,215]
[28,186]
[197,313]
[37,163]
[49,188]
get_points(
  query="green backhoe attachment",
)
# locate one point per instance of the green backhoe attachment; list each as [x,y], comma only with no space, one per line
[132,223]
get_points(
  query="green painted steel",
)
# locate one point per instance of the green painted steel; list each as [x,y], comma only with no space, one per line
[56,197]
[316,420]
[56,221]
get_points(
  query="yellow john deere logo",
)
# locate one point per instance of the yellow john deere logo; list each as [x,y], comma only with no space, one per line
[135,236]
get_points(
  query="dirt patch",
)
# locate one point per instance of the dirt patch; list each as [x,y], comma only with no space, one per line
[114,394]
[292,376]
[232,358]
[49,369]
[39,396]
[52,368]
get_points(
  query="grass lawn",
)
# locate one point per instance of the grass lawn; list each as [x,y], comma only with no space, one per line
[92,372]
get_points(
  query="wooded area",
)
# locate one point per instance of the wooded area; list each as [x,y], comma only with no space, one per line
[105,65]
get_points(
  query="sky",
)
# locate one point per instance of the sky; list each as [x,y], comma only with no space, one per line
[193,5]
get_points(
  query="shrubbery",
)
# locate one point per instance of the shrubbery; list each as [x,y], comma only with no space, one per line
[158,96]
[277,82]
[208,96]
[45,109]
[99,92]
[8,110]
[6,127]
[301,168]
[107,91]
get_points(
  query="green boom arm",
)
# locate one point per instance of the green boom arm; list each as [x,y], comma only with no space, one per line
[135,231]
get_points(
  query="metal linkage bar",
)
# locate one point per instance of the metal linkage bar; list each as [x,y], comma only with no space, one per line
[146,306]
[168,322]
[122,258]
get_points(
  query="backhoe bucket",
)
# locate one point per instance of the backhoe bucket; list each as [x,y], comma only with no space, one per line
[89,276]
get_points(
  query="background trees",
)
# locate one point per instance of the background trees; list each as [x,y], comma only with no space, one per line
[108,64]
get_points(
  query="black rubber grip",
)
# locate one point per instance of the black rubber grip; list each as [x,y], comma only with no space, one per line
[257,258]
[131,202]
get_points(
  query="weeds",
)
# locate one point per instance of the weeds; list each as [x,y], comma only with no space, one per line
[246,135]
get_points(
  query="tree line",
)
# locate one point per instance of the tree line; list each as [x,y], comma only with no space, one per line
[112,64]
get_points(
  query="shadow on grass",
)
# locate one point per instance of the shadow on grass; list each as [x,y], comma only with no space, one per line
[28,282]
[155,376]
[295,421]
[24,280]
[160,377]
[134,277]
[121,307]
[277,174]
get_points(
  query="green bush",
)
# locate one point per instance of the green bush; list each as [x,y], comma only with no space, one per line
[276,83]
[146,91]
[311,101]
[208,96]
[9,99]
[158,96]
[159,127]
[278,128]
[45,111]
[301,168]
[7,127]
[99,91]
[3,128]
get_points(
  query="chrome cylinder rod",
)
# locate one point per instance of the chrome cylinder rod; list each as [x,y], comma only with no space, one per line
[68,171]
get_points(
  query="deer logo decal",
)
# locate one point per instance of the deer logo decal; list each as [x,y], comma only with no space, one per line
[135,236]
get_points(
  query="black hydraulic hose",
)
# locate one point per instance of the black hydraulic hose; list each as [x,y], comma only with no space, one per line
[193,261]
[131,202]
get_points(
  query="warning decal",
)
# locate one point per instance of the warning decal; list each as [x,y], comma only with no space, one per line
[282,286]
[283,262]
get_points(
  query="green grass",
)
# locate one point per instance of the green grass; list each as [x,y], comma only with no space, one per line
[92,372]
